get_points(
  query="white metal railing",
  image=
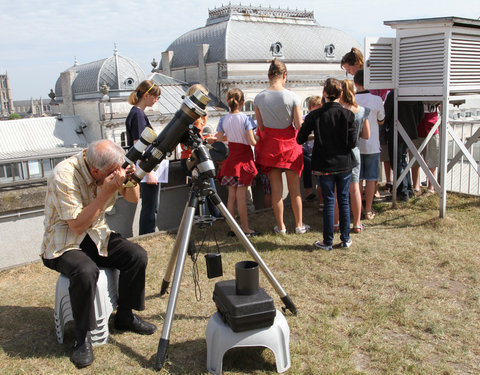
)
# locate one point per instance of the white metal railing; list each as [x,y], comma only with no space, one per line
[463,172]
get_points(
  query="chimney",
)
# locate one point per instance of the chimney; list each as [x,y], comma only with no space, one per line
[202,50]
[66,79]
[167,58]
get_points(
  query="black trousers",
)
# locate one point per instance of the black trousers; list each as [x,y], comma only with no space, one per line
[81,267]
[405,187]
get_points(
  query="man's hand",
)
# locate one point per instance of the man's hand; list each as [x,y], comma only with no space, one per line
[114,180]
[130,170]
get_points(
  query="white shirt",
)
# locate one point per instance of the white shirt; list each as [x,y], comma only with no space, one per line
[377,113]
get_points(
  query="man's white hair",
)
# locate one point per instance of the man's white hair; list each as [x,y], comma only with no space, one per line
[104,154]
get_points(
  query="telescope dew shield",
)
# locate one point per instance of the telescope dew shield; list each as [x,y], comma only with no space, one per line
[191,109]
[135,152]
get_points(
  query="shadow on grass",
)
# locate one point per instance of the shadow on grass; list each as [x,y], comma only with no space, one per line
[29,332]
[190,357]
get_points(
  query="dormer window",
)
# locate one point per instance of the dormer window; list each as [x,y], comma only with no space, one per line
[330,50]
[129,83]
[276,49]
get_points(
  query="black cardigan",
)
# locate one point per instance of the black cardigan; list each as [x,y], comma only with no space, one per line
[335,136]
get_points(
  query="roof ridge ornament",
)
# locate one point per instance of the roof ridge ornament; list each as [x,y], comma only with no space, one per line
[228,10]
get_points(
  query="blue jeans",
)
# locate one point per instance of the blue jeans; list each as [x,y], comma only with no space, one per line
[150,195]
[341,182]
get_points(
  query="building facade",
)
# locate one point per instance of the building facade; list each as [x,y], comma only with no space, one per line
[235,46]
[6,101]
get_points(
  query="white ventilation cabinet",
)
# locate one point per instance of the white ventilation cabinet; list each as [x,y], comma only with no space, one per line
[432,60]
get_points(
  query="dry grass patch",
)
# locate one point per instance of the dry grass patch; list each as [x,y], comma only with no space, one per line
[404,299]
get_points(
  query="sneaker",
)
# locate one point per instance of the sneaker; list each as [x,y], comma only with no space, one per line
[347,244]
[283,232]
[82,355]
[321,245]
[302,230]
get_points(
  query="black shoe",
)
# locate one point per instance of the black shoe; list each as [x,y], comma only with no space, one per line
[231,233]
[310,197]
[253,234]
[82,355]
[137,325]
[403,197]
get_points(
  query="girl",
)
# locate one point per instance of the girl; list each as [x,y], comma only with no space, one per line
[335,137]
[347,100]
[146,95]
[276,108]
[352,61]
[238,170]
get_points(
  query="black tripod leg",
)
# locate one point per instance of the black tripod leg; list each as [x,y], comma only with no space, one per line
[181,246]
[249,247]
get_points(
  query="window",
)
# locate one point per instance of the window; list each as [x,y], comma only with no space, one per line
[276,49]
[56,161]
[305,106]
[34,169]
[129,83]
[330,50]
[248,106]
[47,167]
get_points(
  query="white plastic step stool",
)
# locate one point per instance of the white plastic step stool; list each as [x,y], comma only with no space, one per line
[105,302]
[220,338]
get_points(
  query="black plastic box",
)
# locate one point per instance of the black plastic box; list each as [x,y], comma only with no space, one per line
[243,312]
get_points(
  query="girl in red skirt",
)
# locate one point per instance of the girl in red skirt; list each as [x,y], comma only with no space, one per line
[238,170]
[276,109]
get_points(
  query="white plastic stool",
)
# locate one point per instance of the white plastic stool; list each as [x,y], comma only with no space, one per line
[221,338]
[105,302]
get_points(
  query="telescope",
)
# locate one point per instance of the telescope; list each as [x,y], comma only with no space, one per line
[152,152]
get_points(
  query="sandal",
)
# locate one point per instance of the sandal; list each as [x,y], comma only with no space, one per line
[370,215]
[358,228]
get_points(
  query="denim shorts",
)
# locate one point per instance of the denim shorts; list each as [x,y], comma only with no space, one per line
[369,166]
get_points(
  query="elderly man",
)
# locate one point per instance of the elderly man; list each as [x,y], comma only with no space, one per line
[77,240]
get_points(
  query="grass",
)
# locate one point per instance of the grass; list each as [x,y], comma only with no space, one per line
[404,299]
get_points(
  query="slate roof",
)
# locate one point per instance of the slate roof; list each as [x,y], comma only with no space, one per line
[120,73]
[40,136]
[237,35]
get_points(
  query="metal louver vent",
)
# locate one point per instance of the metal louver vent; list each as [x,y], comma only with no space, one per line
[465,62]
[380,62]
[422,60]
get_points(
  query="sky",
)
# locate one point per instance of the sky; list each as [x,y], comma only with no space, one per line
[41,39]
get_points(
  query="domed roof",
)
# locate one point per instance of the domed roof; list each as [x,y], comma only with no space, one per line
[120,74]
[239,33]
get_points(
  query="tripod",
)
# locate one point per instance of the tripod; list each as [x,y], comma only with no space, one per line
[201,189]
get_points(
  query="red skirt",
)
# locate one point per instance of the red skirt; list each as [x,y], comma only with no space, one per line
[239,164]
[278,148]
